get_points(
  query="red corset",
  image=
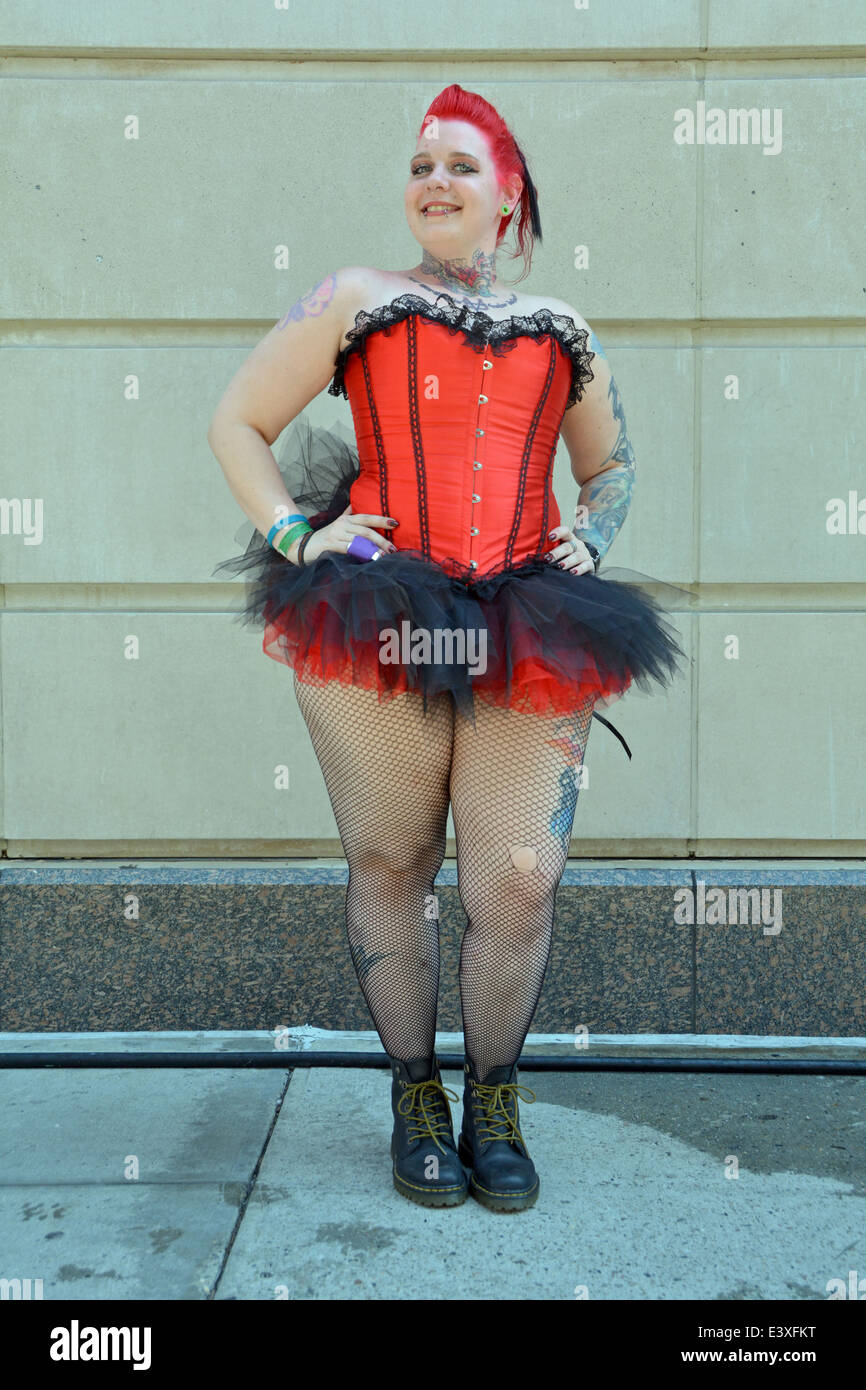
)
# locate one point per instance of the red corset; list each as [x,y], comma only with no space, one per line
[457,419]
[459,446]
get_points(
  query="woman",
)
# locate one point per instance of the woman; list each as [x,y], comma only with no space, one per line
[449,637]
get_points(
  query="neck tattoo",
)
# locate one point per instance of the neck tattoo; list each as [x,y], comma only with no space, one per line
[475,277]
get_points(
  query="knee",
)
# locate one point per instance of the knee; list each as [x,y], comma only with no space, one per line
[534,878]
[524,879]
[529,885]
[524,858]
[406,862]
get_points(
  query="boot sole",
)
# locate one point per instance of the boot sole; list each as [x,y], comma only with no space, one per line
[496,1201]
[430,1197]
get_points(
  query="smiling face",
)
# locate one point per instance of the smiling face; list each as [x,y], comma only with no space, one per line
[453,196]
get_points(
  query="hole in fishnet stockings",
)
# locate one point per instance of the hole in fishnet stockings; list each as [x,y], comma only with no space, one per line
[512,781]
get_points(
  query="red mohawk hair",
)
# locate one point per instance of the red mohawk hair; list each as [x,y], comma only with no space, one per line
[454,103]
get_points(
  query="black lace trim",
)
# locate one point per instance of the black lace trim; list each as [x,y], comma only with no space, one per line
[478,330]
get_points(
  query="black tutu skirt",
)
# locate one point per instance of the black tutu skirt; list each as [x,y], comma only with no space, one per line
[529,637]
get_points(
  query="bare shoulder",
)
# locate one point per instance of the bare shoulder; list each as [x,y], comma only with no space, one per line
[561,306]
[598,389]
[334,297]
[364,287]
[359,286]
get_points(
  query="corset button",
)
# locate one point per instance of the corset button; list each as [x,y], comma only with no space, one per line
[482,400]
[473,530]
[475,497]
[476,464]
[479,433]
[486,365]
[473,564]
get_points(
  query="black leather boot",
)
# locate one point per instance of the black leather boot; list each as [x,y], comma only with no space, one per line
[503,1176]
[425,1163]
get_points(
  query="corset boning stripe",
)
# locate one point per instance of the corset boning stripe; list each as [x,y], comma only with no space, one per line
[527,452]
[377,432]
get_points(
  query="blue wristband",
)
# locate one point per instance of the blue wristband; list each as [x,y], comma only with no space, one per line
[281,525]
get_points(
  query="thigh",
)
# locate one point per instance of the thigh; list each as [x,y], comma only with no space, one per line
[515,778]
[386,764]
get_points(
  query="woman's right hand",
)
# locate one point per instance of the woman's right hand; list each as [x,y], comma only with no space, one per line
[339,534]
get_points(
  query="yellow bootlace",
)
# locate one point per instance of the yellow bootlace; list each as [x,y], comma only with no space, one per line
[495,1115]
[429,1119]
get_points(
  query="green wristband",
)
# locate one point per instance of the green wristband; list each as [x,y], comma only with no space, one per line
[290,536]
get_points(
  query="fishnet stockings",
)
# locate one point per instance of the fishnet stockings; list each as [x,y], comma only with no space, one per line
[512,781]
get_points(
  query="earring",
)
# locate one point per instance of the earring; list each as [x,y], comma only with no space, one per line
[504,207]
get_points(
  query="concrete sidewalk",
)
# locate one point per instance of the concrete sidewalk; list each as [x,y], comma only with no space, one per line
[245,1183]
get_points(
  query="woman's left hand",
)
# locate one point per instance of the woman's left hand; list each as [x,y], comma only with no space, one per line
[570,553]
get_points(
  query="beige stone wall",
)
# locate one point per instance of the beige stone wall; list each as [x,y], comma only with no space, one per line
[728,285]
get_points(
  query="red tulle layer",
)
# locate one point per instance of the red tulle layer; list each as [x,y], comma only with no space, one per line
[318,651]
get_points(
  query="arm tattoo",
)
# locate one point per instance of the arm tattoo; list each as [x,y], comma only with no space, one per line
[622,450]
[606,497]
[311,304]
